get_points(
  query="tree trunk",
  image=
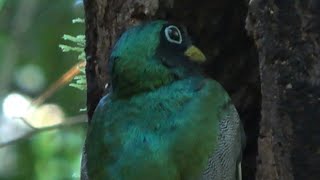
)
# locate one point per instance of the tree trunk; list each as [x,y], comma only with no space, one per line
[280,112]
[286,34]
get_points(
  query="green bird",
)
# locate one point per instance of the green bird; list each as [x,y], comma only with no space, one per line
[162,119]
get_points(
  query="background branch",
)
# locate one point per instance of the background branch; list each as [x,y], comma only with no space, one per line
[72,121]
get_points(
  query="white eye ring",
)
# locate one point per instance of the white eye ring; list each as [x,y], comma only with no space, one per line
[167,32]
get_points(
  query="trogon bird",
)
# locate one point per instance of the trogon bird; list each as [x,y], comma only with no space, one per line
[162,118]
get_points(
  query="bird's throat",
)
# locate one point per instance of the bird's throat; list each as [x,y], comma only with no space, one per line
[126,86]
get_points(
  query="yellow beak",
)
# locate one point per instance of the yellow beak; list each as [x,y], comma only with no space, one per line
[195,54]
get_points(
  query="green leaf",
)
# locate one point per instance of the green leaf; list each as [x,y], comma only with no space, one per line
[78,20]
[66,48]
[83,109]
[80,39]
[78,86]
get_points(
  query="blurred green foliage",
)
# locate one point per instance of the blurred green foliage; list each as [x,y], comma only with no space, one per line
[51,155]
[1,3]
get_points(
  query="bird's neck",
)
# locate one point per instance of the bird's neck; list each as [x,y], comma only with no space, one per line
[144,77]
[127,86]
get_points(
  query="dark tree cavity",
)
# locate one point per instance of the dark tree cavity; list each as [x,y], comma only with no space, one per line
[264,52]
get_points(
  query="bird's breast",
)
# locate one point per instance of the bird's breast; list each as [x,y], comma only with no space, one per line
[137,135]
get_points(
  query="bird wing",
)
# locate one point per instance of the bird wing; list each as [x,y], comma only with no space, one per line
[225,161]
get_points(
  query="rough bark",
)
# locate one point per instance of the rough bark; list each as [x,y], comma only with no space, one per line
[286,34]
[283,54]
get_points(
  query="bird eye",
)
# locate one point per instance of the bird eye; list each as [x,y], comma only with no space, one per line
[173,34]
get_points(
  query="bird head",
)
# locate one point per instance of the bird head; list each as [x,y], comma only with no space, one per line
[151,55]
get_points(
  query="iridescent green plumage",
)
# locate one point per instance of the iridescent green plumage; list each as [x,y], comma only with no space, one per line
[162,119]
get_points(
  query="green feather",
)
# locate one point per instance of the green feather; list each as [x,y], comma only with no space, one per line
[167,132]
[162,119]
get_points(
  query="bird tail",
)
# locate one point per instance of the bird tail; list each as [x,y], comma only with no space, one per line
[239,171]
